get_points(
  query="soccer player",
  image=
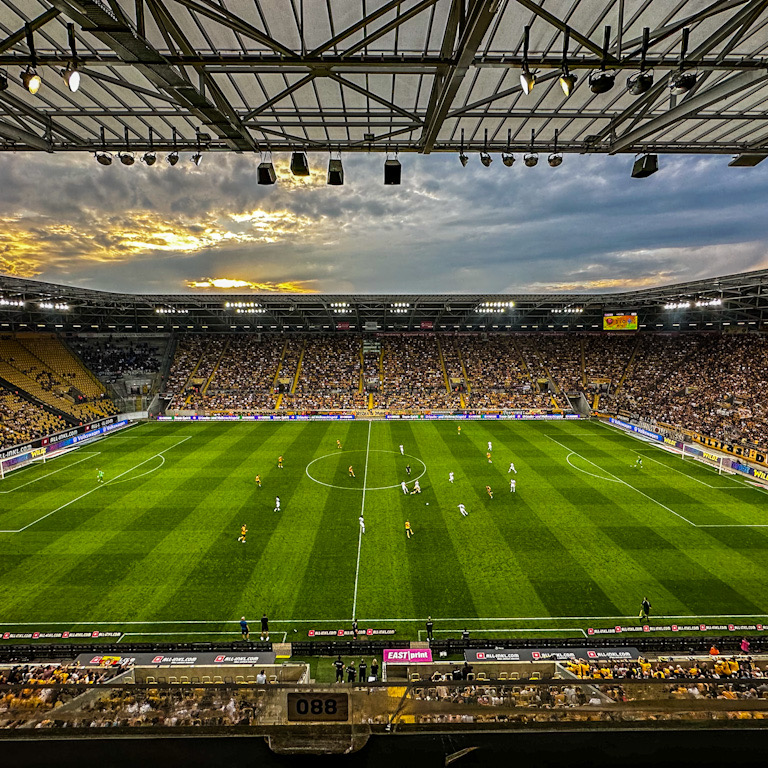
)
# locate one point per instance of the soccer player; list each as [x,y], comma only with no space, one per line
[511,467]
[407,469]
[258,480]
[639,463]
[450,477]
[463,511]
[355,630]
[351,471]
[488,456]
[99,475]
[361,519]
[645,610]
[402,452]
[408,530]
[264,626]
[338,443]
[243,532]
[277,504]
[458,432]
[279,462]
[512,485]
[244,628]
[416,488]
[404,487]
[489,491]
[490,446]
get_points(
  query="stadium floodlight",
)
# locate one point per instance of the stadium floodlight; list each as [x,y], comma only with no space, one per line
[127,157]
[485,157]
[392,172]
[682,82]
[527,78]
[531,157]
[567,80]
[31,80]
[173,157]
[265,173]
[602,81]
[150,156]
[463,159]
[70,74]
[102,156]
[556,158]
[335,172]
[197,158]
[507,157]
[641,82]
[299,164]
[644,166]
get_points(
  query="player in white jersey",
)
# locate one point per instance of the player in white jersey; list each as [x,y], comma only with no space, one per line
[404,487]
[277,504]
[416,488]
[511,467]
[512,485]
[490,445]
[402,451]
[450,477]
[463,510]
[362,523]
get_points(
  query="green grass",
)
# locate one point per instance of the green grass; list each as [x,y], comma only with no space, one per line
[581,542]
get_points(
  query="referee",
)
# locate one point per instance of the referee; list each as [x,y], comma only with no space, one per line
[430,625]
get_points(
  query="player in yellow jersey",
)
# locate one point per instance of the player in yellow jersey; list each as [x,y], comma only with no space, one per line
[488,456]
[459,429]
[243,532]
[258,480]
[338,443]
[351,471]
[279,462]
[489,491]
[408,530]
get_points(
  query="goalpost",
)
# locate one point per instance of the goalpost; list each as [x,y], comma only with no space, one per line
[22,460]
[720,463]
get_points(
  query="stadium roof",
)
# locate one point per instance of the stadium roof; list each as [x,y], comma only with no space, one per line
[382,75]
[733,302]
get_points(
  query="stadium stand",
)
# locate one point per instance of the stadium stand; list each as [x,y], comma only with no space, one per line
[112,359]
[22,420]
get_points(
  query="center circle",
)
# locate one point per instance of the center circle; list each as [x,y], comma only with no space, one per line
[368,488]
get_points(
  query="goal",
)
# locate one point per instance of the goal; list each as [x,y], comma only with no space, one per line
[19,462]
[721,464]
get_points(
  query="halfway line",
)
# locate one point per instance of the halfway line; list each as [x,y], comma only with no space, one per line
[362,514]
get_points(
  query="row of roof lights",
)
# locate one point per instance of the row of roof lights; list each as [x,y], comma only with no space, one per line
[242,304]
[50,305]
[709,302]
[495,306]
[250,311]
[11,303]
[568,311]
[698,303]
[339,304]
[400,304]
[171,311]
[265,173]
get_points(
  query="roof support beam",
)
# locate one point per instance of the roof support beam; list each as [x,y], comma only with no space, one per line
[356,27]
[374,97]
[446,87]
[686,108]
[279,97]
[13,104]
[40,21]
[129,46]
[15,134]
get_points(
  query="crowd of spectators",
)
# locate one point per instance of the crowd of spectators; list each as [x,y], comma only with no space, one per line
[22,420]
[113,359]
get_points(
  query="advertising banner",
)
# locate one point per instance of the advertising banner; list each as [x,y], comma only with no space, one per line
[647,628]
[408,656]
[620,322]
[203,659]
[550,654]
[348,632]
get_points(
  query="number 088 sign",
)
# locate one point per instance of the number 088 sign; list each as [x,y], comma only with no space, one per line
[318,707]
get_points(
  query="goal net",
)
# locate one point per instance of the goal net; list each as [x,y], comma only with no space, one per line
[31,457]
[721,464]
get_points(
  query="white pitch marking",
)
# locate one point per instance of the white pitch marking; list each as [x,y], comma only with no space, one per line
[650,498]
[352,488]
[506,629]
[591,474]
[42,477]
[362,514]
[103,485]
[143,474]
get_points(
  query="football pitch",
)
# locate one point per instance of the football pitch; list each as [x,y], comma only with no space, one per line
[153,552]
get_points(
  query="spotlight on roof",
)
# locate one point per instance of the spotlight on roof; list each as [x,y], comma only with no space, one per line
[104,157]
[31,80]
[644,166]
[299,164]
[556,158]
[71,77]
[485,159]
[150,158]
[639,83]
[265,173]
[601,82]
[197,158]
[567,82]
[531,157]
[3,81]
[392,172]
[527,78]
[463,159]
[172,158]
[508,159]
[682,82]
[127,158]
[335,172]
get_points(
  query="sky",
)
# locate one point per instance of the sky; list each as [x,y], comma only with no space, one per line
[585,226]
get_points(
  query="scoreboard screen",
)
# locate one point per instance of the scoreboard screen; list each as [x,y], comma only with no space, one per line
[620,322]
[318,707]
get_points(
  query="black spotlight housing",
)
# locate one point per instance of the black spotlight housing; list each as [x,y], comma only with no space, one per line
[601,82]
[299,164]
[103,157]
[644,166]
[682,82]
[335,172]
[639,83]
[265,173]
[392,172]
[3,81]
